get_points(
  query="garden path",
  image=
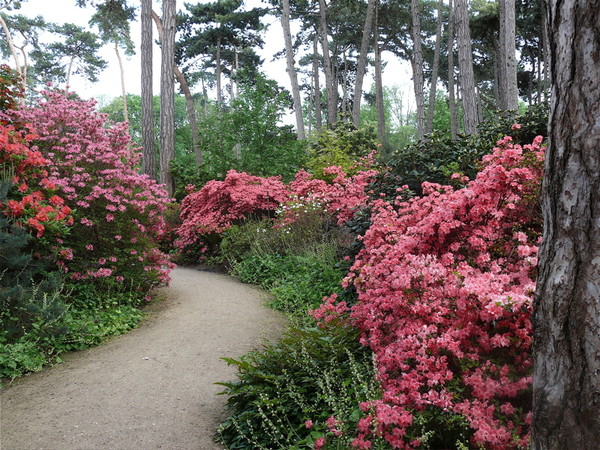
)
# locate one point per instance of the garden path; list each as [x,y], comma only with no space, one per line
[152,388]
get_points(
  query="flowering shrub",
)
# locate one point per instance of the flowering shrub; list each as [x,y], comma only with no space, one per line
[220,204]
[118,212]
[445,285]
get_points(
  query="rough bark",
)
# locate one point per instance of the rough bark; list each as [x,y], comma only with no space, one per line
[379,104]
[566,380]
[509,98]
[317,86]
[435,69]
[190,103]
[291,68]
[167,95]
[330,83]
[465,67]
[149,150]
[362,61]
[451,88]
[417,67]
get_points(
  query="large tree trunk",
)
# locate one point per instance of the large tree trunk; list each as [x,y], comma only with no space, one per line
[465,67]
[362,61]
[190,104]
[330,82]
[291,68]
[509,99]
[435,69]
[148,151]
[167,95]
[451,89]
[566,380]
[379,103]
[317,86]
[15,56]
[417,66]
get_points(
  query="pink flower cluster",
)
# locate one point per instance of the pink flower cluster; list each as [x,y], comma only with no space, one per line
[445,285]
[93,165]
[220,204]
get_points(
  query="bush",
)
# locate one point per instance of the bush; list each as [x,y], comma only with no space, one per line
[445,285]
[300,392]
[118,212]
[343,145]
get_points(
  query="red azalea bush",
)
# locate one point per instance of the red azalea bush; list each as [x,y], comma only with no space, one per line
[118,212]
[30,199]
[445,285]
[220,204]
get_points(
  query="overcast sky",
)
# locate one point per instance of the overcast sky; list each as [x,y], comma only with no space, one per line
[62,11]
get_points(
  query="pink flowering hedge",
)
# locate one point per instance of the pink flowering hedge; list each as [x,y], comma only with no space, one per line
[118,212]
[445,285]
[221,204]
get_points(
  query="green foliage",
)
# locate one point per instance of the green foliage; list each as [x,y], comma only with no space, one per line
[343,145]
[310,374]
[247,137]
[438,157]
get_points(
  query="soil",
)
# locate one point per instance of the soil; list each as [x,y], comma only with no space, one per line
[153,388]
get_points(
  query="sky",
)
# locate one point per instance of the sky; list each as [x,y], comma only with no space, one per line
[109,85]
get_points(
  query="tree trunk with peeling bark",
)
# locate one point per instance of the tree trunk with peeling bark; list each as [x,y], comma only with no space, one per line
[330,82]
[566,380]
[291,68]
[148,148]
[417,66]
[435,69]
[509,98]
[167,95]
[465,67]
[190,103]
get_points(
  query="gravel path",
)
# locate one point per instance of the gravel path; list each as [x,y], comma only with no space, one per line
[152,388]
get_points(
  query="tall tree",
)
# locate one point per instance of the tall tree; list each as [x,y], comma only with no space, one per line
[362,61]
[379,101]
[112,18]
[291,69]
[330,81]
[435,69]
[451,89]
[509,94]
[167,94]
[316,84]
[566,380]
[149,151]
[417,66]
[465,67]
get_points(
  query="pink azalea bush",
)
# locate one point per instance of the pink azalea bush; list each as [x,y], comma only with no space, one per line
[118,212]
[221,204]
[445,285]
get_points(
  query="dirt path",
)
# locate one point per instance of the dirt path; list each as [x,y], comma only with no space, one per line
[150,389]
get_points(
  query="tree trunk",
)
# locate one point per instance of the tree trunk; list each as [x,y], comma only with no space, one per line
[434,70]
[362,61]
[417,66]
[451,89]
[509,99]
[566,380]
[465,67]
[149,150]
[190,104]
[15,56]
[167,95]
[379,103]
[218,74]
[123,91]
[330,82]
[317,86]
[291,69]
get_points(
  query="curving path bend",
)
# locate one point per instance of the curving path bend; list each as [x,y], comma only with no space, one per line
[152,388]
